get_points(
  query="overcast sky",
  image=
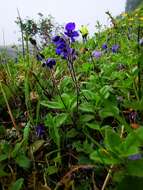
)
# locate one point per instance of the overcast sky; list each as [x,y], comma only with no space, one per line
[78,11]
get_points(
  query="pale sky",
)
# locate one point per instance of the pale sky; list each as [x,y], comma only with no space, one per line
[78,11]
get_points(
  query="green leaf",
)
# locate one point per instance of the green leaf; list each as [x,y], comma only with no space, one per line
[92,95]
[53,105]
[136,104]
[135,168]
[131,183]
[109,111]
[112,140]
[139,134]
[49,122]
[3,173]
[84,118]
[52,170]
[17,185]
[16,149]
[53,123]
[93,126]
[6,148]
[56,136]
[26,133]
[132,142]
[86,67]
[71,133]
[105,91]
[2,131]
[68,100]
[3,157]
[23,161]
[103,157]
[34,147]
[86,107]
[60,119]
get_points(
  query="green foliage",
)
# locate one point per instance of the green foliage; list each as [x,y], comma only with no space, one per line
[65,128]
[17,185]
[42,28]
[132,4]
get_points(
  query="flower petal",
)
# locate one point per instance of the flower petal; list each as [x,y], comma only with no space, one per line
[70,26]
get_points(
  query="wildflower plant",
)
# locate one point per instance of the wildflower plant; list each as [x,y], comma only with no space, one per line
[76,122]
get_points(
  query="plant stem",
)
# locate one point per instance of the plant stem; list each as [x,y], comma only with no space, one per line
[54,84]
[107,177]
[73,75]
[22,33]
[8,107]
[139,65]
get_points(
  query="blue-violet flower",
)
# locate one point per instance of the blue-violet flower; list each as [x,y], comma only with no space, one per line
[97,54]
[115,48]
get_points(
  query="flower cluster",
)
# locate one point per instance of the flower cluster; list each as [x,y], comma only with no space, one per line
[63,48]
[50,62]
[114,48]
[97,53]
[70,31]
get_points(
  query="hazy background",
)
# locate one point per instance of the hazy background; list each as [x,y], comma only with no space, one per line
[78,11]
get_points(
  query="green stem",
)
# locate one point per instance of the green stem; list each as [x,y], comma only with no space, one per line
[8,107]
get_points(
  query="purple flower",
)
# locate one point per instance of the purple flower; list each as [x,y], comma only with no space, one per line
[135,157]
[70,26]
[97,54]
[63,49]
[50,63]
[40,130]
[104,46]
[70,31]
[115,48]
[56,39]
